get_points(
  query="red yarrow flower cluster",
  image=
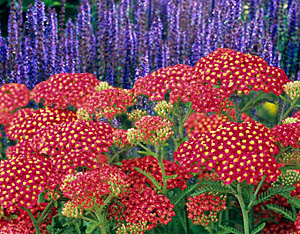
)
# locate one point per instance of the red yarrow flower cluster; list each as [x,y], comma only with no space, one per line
[287,134]
[297,224]
[120,138]
[14,228]
[200,122]
[150,165]
[145,207]
[28,122]
[235,71]
[22,179]
[150,130]
[87,190]
[106,103]
[204,208]
[13,96]
[235,151]
[64,89]
[158,83]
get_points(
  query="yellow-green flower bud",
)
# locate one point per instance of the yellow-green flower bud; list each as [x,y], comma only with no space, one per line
[292,89]
[163,108]
[102,86]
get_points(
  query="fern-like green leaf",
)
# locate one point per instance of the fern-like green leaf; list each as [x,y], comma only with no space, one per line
[150,177]
[258,228]
[285,212]
[230,229]
[283,191]
[212,186]
[294,201]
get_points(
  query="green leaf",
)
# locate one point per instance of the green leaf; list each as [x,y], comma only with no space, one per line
[258,228]
[171,177]
[294,201]
[212,186]
[41,198]
[91,227]
[230,229]
[150,177]
[283,191]
[285,212]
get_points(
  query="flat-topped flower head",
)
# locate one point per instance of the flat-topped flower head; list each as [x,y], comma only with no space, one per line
[158,83]
[150,165]
[12,96]
[14,228]
[287,134]
[28,122]
[64,89]
[106,102]
[150,130]
[200,122]
[145,207]
[292,89]
[235,151]
[22,179]
[235,71]
[204,208]
[89,189]
[75,137]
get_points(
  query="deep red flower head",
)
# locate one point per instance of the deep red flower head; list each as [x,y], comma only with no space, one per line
[150,165]
[5,118]
[145,209]
[22,179]
[204,208]
[120,138]
[14,228]
[13,96]
[150,130]
[158,83]
[63,89]
[75,136]
[287,134]
[297,115]
[235,151]
[106,103]
[200,122]
[28,122]
[235,71]
[89,189]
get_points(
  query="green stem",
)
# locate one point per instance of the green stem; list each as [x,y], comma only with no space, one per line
[209,228]
[294,102]
[162,167]
[45,212]
[245,212]
[256,192]
[34,221]
[251,102]
[192,188]
[189,111]
[116,154]
[284,99]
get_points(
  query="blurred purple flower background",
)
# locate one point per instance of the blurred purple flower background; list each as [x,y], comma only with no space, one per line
[122,41]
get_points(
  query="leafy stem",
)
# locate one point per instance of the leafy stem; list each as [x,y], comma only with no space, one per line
[294,102]
[256,192]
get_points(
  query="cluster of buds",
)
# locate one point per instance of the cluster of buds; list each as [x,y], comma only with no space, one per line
[150,130]
[132,228]
[83,114]
[120,138]
[290,157]
[71,211]
[292,89]
[289,178]
[290,120]
[163,108]
[136,114]
[204,208]
[102,86]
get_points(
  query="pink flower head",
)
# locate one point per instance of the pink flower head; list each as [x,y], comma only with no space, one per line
[106,102]
[63,89]
[13,96]
[235,151]
[235,71]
